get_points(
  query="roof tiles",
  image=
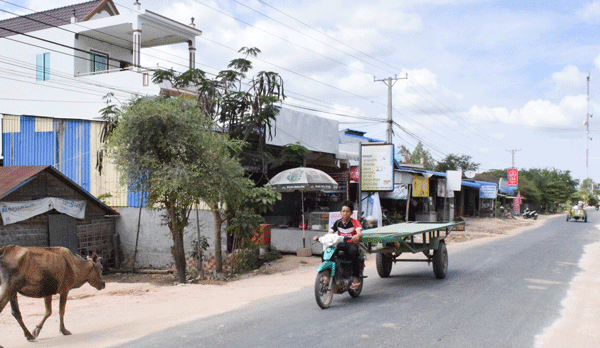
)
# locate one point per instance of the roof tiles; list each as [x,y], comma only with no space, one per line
[47,19]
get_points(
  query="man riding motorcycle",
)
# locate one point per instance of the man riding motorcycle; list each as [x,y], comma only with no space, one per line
[351,228]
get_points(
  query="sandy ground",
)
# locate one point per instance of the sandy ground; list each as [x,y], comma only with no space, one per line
[126,311]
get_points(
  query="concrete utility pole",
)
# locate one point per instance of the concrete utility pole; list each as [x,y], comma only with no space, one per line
[587,128]
[513,156]
[390,84]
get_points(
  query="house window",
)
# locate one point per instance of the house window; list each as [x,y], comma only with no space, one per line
[42,67]
[98,62]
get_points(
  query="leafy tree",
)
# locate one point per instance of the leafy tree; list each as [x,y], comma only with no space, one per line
[493,175]
[529,191]
[456,162]
[292,154]
[418,155]
[587,185]
[244,221]
[240,112]
[555,186]
[165,148]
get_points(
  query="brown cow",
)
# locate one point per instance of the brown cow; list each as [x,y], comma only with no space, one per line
[42,272]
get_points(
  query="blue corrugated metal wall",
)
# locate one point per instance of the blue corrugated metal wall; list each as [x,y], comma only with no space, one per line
[28,147]
[134,199]
[76,152]
[62,143]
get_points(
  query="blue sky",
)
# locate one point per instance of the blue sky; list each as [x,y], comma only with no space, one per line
[484,77]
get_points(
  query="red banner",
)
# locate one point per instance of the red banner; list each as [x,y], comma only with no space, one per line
[354,173]
[517,204]
[513,177]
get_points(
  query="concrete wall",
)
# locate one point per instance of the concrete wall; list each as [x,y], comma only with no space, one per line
[288,240]
[155,240]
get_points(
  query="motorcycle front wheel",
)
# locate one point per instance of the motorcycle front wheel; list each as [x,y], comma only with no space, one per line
[323,290]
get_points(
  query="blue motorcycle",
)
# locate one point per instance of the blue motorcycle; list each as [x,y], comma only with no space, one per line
[335,273]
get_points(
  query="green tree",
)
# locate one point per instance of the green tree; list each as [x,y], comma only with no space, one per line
[456,162]
[554,185]
[240,111]
[492,175]
[419,155]
[587,185]
[291,154]
[165,148]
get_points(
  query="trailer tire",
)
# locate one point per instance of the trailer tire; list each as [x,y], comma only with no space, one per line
[384,265]
[440,261]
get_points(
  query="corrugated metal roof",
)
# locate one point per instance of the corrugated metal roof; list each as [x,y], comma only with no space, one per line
[13,177]
[50,18]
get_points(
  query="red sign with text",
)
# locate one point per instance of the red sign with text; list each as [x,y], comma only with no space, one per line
[513,177]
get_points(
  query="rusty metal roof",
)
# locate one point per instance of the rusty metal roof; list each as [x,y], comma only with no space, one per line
[53,18]
[14,177]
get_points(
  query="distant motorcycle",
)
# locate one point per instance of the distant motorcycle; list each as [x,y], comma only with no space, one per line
[530,214]
[597,206]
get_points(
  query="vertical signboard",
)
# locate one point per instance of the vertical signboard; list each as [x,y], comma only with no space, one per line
[454,180]
[513,178]
[377,167]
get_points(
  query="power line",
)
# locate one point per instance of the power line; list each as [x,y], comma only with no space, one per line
[304,34]
[333,38]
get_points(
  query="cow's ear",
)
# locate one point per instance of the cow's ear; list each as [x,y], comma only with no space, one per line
[95,257]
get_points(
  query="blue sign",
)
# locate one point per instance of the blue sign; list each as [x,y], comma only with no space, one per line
[488,191]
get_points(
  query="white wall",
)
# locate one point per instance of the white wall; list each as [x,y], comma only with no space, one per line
[63,95]
[155,241]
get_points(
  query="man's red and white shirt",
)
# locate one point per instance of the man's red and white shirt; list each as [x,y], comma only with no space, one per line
[347,229]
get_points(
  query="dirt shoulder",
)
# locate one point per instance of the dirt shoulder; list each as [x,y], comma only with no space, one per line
[132,307]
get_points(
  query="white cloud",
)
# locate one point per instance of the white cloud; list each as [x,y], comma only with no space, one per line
[538,113]
[590,11]
[570,76]
[381,17]
[597,62]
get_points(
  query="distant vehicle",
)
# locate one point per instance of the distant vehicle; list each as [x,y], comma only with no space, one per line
[577,214]
[530,214]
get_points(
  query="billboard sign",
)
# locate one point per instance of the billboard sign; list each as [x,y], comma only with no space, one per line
[376,167]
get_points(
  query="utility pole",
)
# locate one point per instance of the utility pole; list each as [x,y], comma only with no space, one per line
[390,84]
[587,128]
[513,156]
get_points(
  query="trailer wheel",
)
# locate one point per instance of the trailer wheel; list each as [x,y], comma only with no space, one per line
[384,265]
[440,261]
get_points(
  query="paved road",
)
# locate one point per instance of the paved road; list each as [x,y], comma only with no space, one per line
[500,293]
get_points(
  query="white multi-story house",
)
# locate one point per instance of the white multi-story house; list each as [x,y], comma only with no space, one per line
[57,66]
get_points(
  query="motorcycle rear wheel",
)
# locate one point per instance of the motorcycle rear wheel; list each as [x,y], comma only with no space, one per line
[356,293]
[323,290]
